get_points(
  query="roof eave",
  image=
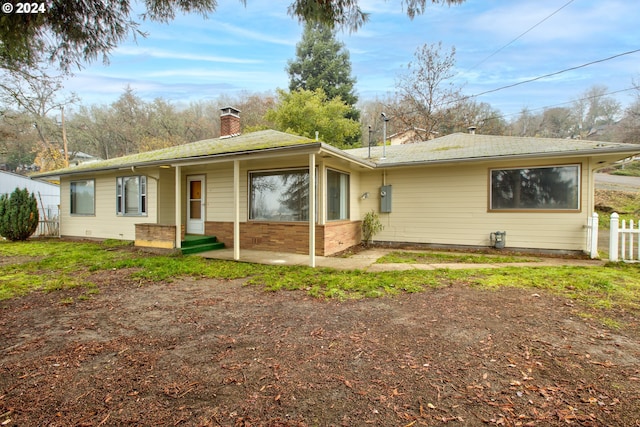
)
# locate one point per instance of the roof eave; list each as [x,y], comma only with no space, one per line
[348,157]
[561,154]
[307,147]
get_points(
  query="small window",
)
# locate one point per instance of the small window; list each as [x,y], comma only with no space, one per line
[337,195]
[543,188]
[131,195]
[83,197]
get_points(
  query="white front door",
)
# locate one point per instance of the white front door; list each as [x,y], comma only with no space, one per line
[195,204]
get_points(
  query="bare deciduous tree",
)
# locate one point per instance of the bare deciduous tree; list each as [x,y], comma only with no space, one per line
[425,92]
[592,109]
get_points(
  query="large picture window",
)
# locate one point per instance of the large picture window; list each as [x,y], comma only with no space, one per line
[83,197]
[541,188]
[279,195]
[337,195]
[131,195]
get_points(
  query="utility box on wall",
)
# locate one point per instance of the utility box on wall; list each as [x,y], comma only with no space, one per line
[385,199]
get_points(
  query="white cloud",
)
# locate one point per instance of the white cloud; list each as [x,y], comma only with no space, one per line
[165,54]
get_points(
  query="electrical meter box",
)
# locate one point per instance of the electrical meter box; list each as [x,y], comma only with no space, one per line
[385,199]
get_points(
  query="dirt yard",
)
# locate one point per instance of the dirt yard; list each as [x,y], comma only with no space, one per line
[216,353]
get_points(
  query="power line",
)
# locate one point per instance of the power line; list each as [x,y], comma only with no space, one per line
[564,103]
[520,36]
[547,75]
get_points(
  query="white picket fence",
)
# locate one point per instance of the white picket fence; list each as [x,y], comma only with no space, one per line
[624,239]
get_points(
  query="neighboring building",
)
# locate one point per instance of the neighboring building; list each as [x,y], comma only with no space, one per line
[47,195]
[78,157]
[256,191]
[409,136]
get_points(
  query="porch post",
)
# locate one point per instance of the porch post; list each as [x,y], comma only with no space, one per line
[312,210]
[178,206]
[236,208]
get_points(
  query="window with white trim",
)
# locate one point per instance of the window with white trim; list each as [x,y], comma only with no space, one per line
[337,195]
[536,188]
[83,197]
[131,195]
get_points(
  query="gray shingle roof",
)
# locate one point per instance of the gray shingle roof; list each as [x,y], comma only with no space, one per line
[251,142]
[469,147]
[450,148]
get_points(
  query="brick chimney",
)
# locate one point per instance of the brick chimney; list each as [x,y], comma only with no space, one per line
[229,122]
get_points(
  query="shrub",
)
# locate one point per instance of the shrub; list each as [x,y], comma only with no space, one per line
[371,226]
[18,215]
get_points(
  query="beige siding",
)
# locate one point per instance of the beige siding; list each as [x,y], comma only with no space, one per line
[166,197]
[220,193]
[219,184]
[448,205]
[105,224]
[444,205]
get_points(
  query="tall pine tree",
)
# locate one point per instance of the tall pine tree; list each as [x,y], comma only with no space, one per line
[322,62]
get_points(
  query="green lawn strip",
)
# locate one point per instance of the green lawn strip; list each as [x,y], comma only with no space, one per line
[159,268]
[429,257]
[612,286]
[340,284]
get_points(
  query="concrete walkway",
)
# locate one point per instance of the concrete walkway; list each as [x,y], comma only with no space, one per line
[366,261]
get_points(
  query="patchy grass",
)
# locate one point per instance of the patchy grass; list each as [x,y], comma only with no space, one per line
[625,203]
[51,265]
[330,283]
[616,285]
[159,268]
[414,257]
[55,265]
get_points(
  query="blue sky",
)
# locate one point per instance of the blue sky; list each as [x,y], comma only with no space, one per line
[245,49]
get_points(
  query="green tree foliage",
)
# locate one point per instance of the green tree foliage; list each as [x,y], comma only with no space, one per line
[70,32]
[347,13]
[18,215]
[322,62]
[306,112]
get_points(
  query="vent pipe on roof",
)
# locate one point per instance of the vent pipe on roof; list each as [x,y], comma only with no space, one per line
[472,130]
[229,122]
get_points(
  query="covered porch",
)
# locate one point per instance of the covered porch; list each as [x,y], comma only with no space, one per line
[222,198]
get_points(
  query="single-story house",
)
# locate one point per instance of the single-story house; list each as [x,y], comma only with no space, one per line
[274,191]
